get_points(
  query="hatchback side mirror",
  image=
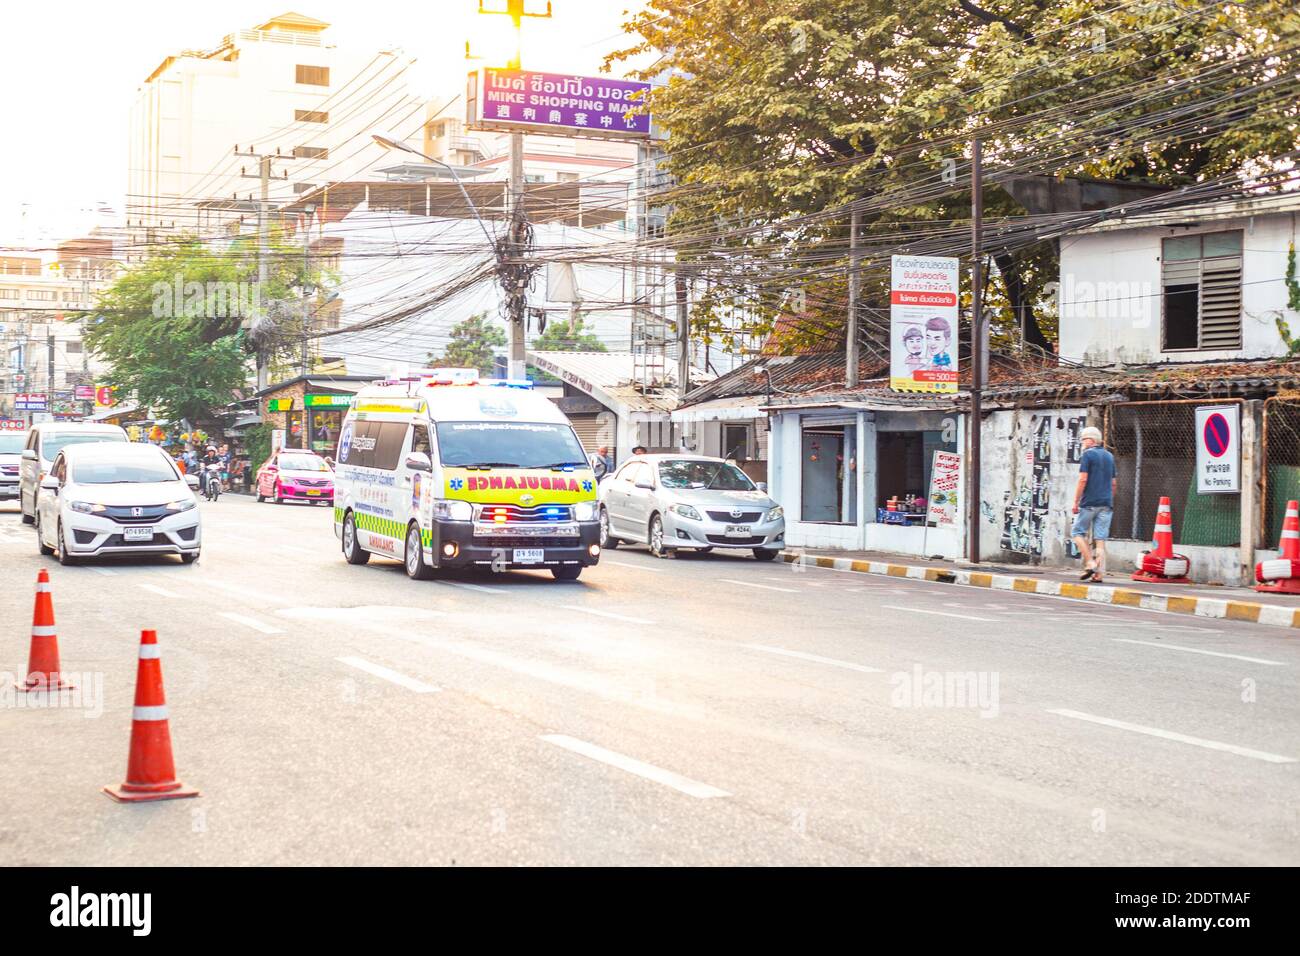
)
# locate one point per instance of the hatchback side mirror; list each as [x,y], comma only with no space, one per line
[192,481]
[29,454]
[50,483]
[418,461]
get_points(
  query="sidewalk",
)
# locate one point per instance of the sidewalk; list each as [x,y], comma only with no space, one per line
[1238,604]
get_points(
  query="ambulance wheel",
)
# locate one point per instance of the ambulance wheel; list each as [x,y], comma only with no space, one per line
[416,568]
[567,572]
[352,550]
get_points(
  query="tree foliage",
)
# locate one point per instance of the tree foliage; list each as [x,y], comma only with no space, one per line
[473,344]
[560,337]
[779,112]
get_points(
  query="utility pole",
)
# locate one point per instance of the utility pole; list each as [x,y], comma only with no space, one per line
[306,292]
[977,354]
[683,335]
[49,373]
[516,297]
[851,345]
[264,161]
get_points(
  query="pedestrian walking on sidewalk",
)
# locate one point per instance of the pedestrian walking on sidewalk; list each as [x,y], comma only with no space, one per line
[1094,503]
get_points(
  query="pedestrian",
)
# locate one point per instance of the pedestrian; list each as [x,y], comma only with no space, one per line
[601,464]
[1094,504]
[639,450]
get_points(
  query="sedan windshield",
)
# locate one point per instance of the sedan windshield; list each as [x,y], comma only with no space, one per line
[303,463]
[122,472]
[12,444]
[693,473]
[51,445]
[509,445]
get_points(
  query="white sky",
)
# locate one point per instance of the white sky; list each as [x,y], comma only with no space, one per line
[70,73]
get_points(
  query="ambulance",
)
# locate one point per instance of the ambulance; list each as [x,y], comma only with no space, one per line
[445,470]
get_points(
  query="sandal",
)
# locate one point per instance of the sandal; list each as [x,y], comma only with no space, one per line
[1096,578]
[1087,574]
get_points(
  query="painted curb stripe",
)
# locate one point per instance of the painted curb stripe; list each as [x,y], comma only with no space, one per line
[1120,597]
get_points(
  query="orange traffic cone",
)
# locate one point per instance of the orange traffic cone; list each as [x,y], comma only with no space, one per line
[43,671]
[1162,566]
[1281,575]
[150,772]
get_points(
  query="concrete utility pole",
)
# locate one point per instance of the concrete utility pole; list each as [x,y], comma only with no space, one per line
[306,292]
[977,354]
[683,335]
[263,174]
[851,343]
[517,299]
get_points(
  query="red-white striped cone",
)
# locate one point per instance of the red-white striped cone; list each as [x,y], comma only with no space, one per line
[43,670]
[1162,566]
[1281,575]
[150,771]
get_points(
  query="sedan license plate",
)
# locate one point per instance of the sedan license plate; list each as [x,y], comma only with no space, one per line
[313,491]
[529,555]
[737,531]
[138,534]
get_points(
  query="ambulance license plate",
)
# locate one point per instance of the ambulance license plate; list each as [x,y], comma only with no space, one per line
[530,555]
[138,534]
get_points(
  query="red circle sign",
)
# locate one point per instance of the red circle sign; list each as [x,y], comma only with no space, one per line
[103,395]
[1217,435]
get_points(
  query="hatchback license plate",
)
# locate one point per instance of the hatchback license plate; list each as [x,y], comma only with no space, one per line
[138,534]
[738,531]
[529,555]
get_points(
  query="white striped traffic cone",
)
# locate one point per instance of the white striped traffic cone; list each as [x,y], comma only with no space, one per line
[1281,575]
[1162,566]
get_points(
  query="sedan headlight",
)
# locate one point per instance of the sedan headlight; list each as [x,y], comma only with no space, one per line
[86,507]
[686,511]
[451,509]
[184,504]
[585,511]
[775,514]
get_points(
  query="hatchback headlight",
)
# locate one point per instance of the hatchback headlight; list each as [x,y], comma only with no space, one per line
[184,504]
[86,507]
[686,511]
[585,511]
[451,509]
[775,514]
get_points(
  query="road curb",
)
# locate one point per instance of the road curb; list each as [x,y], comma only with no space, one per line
[1121,597]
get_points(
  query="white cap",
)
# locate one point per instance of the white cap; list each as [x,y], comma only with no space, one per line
[1091,432]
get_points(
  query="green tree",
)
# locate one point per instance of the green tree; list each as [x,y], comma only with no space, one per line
[560,337]
[172,329]
[780,112]
[473,344]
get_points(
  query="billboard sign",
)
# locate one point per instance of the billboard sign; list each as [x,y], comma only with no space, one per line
[945,490]
[560,103]
[30,402]
[923,294]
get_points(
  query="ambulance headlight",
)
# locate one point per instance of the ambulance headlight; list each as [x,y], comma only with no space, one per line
[449,509]
[585,511]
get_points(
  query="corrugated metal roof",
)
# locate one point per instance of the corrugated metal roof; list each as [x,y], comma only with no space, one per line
[607,376]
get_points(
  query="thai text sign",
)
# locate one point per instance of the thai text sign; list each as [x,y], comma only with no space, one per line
[923,324]
[597,106]
[945,489]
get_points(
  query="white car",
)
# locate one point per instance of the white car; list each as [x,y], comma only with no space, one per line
[45,441]
[12,444]
[113,498]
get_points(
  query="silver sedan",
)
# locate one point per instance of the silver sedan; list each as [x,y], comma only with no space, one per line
[670,502]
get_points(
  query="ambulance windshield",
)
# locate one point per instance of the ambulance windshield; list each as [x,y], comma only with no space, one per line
[508,445]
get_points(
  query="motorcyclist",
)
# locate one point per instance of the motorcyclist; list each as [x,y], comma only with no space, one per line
[210,457]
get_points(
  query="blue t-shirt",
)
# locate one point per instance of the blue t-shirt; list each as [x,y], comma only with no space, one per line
[1099,465]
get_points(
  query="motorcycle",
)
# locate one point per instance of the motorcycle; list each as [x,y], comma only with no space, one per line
[212,481]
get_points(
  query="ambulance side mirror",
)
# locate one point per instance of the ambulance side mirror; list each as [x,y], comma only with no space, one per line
[418,461]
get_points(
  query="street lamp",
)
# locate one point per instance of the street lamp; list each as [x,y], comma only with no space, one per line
[391,141]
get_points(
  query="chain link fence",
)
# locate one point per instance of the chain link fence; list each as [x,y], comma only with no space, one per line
[1154,444]
[1281,462]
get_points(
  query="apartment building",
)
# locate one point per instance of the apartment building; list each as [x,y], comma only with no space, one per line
[281,88]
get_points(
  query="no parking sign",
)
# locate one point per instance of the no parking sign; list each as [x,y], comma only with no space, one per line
[1218,450]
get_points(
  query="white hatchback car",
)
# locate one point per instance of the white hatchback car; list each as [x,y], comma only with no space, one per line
[116,498]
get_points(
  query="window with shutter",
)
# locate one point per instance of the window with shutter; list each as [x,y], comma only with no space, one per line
[1201,291]
[312,75]
[311,116]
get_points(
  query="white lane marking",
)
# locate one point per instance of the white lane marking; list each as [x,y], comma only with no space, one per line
[1197,650]
[609,614]
[297,550]
[1172,735]
[99,570]
[625,564]
[919,610]
[692,788]
[163,592]
[815,658]
[475,587]
[250,622]
[401,680]
[247,594]
[765,587]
